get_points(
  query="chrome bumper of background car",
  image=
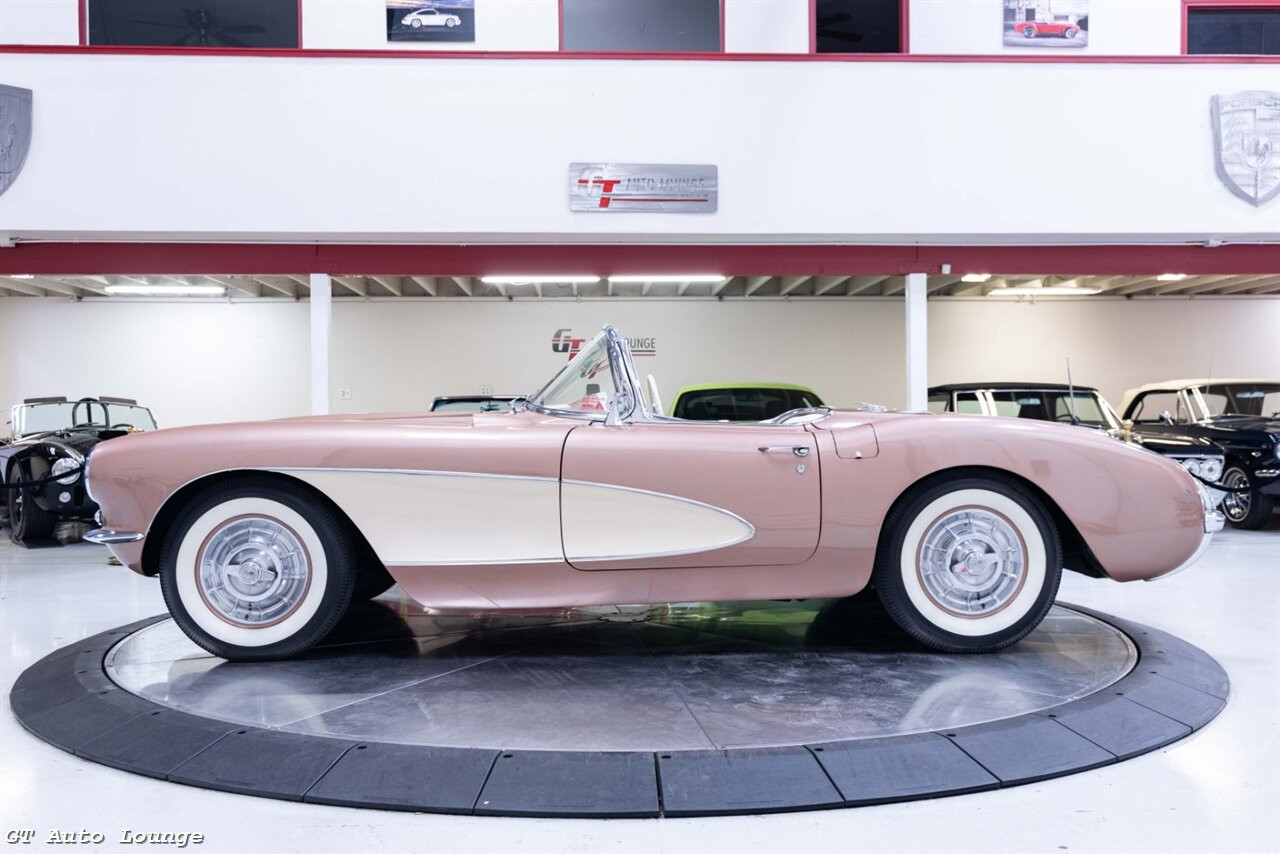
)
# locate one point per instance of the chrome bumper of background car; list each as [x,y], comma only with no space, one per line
[106,536]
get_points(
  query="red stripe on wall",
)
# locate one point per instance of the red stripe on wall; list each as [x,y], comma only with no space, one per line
[621,259]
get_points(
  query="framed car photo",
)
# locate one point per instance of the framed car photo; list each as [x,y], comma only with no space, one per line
[1046,23]
[431,20]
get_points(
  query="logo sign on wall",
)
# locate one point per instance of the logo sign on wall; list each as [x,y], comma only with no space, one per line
[1246,144]
[15,132]
[563,341]
[648,187]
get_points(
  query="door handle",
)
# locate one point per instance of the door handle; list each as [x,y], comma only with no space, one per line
[798,450]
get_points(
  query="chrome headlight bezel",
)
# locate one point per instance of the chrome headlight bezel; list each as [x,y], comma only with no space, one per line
[64,464]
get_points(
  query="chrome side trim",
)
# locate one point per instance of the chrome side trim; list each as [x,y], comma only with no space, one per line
[423,472]
[107,536]
[558,559]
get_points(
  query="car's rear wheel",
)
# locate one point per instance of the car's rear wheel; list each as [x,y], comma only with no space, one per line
[254,570]
[416,24]
[968,563]
[1249,510]
[27,520]
[1029,32]
[1071,32]
[452,22]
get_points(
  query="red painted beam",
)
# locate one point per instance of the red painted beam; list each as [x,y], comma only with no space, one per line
[614,259]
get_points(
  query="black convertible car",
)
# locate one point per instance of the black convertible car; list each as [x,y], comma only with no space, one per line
[1081,405]
[41,465]
[1242,417]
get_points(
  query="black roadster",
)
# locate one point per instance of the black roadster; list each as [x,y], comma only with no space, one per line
[42,464]
[1242,417]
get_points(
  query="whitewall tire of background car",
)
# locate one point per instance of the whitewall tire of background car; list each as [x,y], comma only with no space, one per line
[968,564]
[255,570]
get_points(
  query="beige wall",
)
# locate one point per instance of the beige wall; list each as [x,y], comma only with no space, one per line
[201,362]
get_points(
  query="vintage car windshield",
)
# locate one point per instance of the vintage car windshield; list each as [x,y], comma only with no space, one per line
[121,416]
[1242,399]
[32,418]
[585,385]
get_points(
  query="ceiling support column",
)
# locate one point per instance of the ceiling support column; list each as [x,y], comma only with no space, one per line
[321,320]
[917,342]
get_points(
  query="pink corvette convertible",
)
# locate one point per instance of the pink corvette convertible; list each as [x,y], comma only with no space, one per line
[263,533]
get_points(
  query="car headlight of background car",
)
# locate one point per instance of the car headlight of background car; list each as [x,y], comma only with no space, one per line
[1205,468]
[68,466]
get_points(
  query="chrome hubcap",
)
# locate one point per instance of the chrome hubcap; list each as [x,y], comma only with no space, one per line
[253,571]
[1236,504]
[972,562]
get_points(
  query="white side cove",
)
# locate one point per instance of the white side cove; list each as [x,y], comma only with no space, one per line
[419,518]
[425,518]
[603,522]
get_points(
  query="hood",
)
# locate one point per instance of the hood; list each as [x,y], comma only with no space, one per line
[1256,423]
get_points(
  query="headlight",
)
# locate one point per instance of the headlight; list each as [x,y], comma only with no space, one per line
[62,465]
[1206,468]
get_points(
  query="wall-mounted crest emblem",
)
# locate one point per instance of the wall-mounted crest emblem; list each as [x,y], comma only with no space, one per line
[15,132]
[1246,141]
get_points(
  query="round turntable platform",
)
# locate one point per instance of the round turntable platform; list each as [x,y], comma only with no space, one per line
[666,710]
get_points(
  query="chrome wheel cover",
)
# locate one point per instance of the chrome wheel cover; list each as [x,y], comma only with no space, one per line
[1236,504]
[253,571]
[972,562]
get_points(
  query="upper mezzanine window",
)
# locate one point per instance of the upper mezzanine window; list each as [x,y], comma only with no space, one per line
[194,24]
[642,26]
[859,26]
[1232,27]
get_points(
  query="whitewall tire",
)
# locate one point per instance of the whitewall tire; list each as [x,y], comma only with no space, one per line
[968,564]
[255,570]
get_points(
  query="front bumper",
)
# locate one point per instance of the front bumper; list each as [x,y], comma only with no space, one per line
[1214,521]
[108,536]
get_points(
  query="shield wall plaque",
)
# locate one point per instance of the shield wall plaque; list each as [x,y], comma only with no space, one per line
[15,132]
[1246,141]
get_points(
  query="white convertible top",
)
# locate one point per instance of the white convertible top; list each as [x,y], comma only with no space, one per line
[1178,385]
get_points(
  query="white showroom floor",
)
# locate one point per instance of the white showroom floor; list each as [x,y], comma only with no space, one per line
[1215,791]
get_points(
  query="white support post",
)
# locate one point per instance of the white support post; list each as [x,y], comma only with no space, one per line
[917,343]
[321,320]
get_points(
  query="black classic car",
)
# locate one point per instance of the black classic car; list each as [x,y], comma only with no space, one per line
[1242,417]
[1082,405]
[41,466]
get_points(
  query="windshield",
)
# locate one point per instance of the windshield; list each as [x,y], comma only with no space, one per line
[43,417]
[742,403]
[1055,405]
[1243,399]
[584,386]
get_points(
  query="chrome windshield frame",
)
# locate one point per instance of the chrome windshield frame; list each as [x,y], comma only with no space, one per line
[625,397]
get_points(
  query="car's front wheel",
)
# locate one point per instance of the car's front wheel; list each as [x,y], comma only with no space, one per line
[416,24]
[451,22]
[968,563]
[254,570]
[1071,32]
[28,521]
[1249,509]
[1029,32]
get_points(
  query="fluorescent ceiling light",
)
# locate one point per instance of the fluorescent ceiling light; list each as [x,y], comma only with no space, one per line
[975,277]
[539,280]
[22,276]
[1171,277]
[166,290]
[689,278]
[1032,289]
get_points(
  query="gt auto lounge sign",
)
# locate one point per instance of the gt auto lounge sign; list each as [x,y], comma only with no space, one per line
[645,187]
[564,341]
